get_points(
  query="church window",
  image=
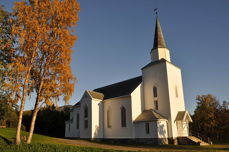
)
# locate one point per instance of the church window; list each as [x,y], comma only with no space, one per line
[77,121]
[176,91]
[155,92]
[123,116]
[108,119]
[156,104]
[85,123]
[85,111]
[147,127]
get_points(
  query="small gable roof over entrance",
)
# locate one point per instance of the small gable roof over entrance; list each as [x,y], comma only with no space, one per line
[120,89]
[149,115]
[182,116]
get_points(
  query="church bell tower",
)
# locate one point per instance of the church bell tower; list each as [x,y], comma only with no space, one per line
[159,50]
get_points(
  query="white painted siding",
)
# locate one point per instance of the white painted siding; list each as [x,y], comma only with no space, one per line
[116,131]
[156,75]
[70,128]
[97,118]
[160,53]
[140,130]
[162,129]
[85,101]
[176,103]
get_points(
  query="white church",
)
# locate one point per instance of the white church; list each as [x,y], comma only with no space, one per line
[149,108]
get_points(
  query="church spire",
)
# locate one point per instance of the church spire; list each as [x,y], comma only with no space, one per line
[159,41]
[159,50]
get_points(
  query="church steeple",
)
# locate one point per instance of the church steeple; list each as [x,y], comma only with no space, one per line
[159,50]
[159,41]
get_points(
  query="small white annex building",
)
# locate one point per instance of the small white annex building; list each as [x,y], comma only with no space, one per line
[149,108]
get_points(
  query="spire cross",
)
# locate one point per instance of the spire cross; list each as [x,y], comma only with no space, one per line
[156,11]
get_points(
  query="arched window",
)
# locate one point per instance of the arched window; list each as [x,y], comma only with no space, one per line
[176,91]
[154,92]
[77,120]
[123,116]
[155,104]
[147,127]
[108,118]
[85,111]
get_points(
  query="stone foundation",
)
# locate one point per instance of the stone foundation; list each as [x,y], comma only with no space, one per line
[173,141]
[142,141]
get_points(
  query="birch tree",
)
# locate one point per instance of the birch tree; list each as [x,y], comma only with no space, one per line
[52,74]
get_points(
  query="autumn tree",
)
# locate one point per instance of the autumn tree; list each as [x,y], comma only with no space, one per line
[6,45]
[205,113]
[25,33]
[51,72]
[211,118]
[8,113]
[42,55]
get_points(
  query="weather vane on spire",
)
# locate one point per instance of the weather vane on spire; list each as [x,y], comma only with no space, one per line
[156,11]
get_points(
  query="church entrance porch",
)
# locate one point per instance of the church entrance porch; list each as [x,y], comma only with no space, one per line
[182,122]
[182,128]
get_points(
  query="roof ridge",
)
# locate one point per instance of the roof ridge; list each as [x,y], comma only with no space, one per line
[117,83]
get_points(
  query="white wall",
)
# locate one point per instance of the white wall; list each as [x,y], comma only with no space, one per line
[137,104]
[116,131]
[67,129]
[72,131]
[160,53]
[165,76]
[176,103]
[97,118]
[140,130]
[85,132]
[156,75]
[162,129]
[183,128]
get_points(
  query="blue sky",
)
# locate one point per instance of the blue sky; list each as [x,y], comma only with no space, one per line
[115,38]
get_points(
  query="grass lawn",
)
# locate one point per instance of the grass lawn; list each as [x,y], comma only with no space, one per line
[42,143]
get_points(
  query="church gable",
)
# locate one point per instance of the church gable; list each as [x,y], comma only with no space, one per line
[96,95]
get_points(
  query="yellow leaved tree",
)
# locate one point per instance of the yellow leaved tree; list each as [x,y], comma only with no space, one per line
[42,29]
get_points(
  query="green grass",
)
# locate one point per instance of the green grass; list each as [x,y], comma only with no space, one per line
[48,148]
[9,133]
[42,143]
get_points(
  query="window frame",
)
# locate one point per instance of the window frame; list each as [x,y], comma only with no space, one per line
[155,92]
[176,91]
[86,124]
[77,121]
[108,118]
[123,117]
[156,106]
[85,111]
[147,127]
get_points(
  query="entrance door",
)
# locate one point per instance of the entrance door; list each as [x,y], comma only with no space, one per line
[182,128]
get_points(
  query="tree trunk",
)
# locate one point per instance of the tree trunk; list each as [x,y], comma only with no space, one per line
[22,106]
[18,132]
[35,111]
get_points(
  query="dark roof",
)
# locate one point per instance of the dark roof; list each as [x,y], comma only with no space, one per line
[149,115]
[77,104]
[96,95]
[154,63]
[120,89]
[159,41]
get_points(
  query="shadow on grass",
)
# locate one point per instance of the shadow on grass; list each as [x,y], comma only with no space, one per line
[224,147]
[6,140]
